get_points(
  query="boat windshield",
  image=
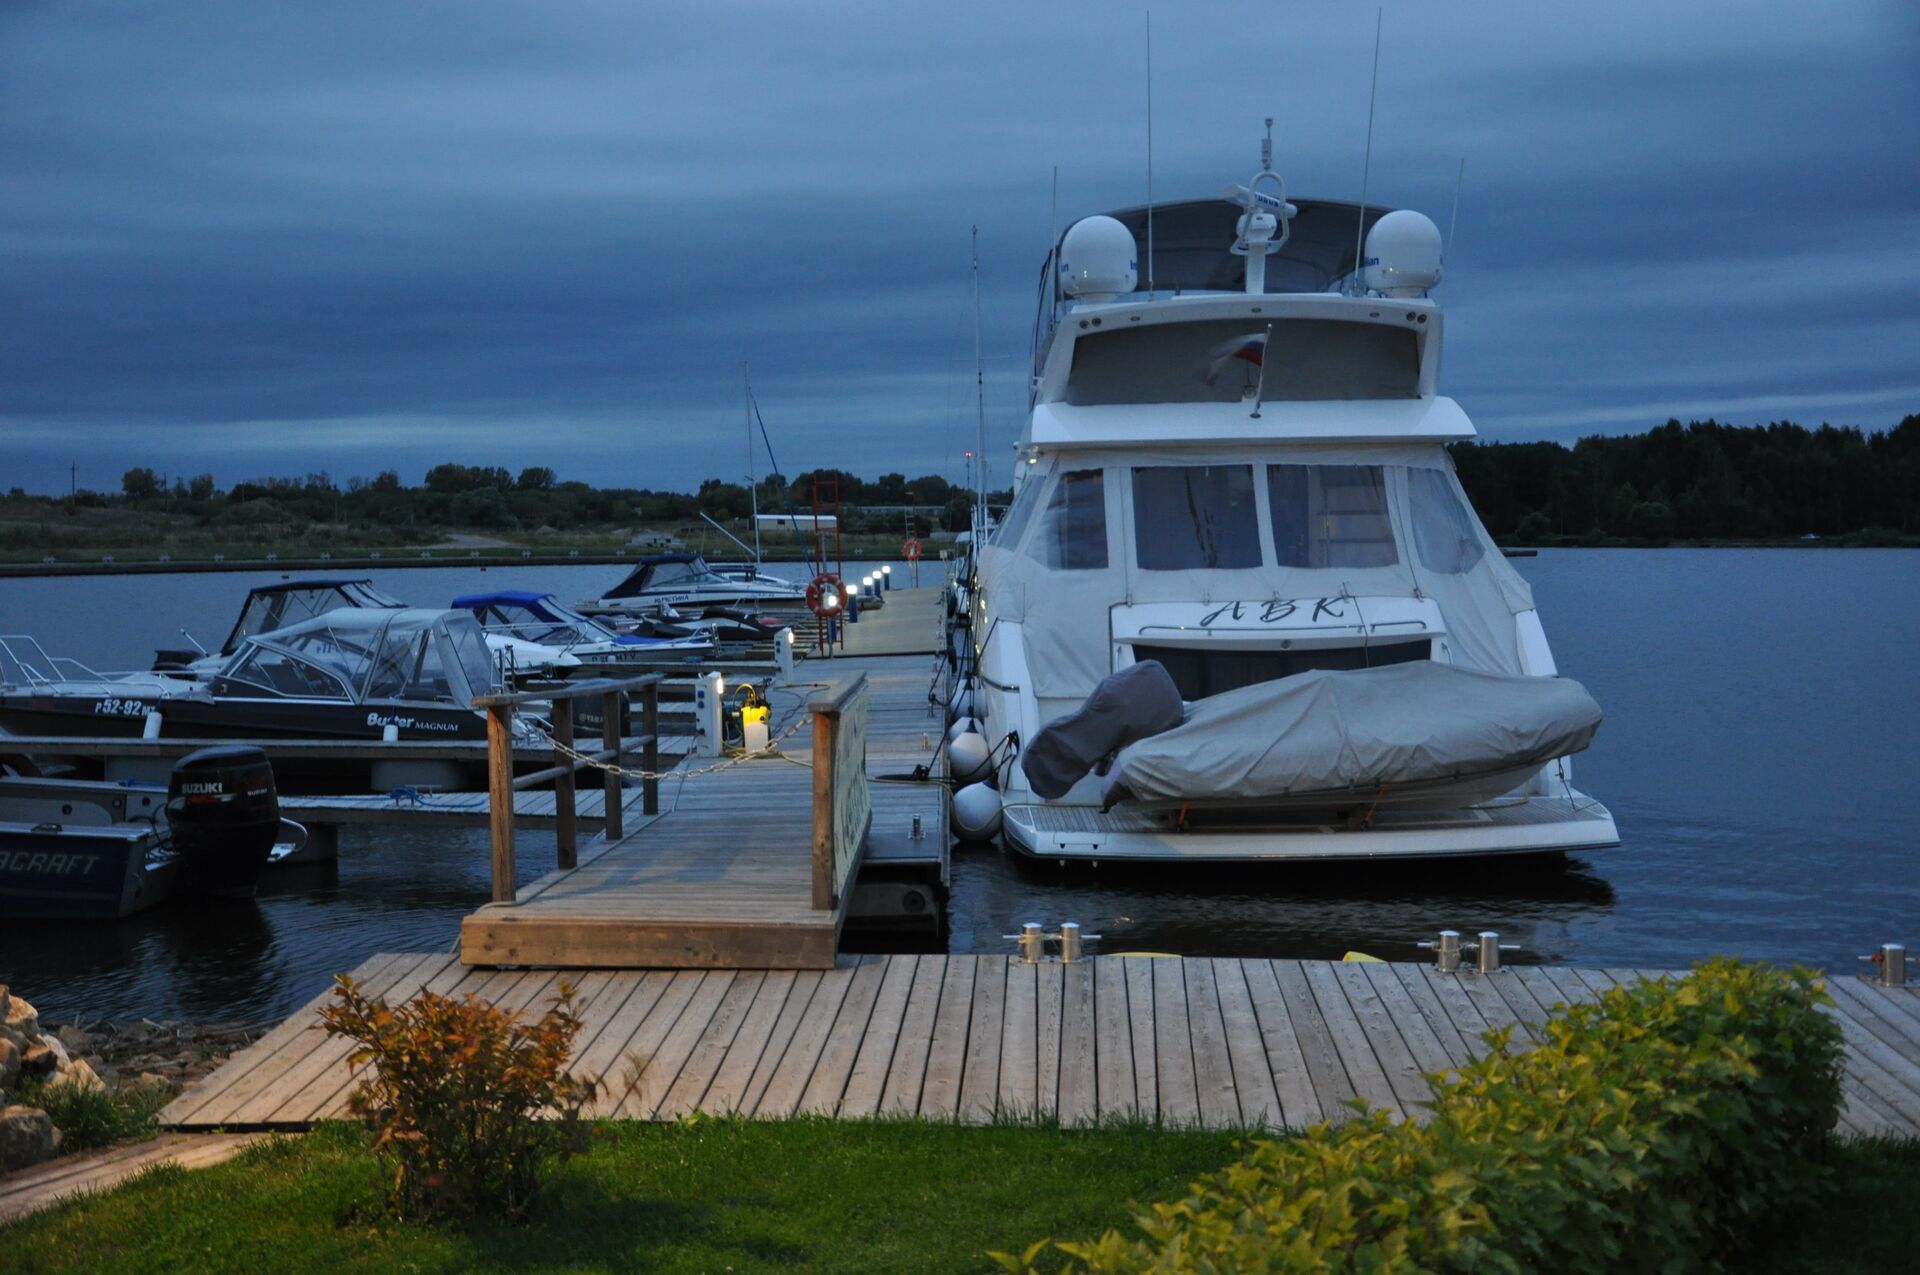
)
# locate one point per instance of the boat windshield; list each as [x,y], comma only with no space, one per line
[268,609]
[431,657]
[307,661]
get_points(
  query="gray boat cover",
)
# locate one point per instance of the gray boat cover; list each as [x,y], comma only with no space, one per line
[1422,727]
[1138,701]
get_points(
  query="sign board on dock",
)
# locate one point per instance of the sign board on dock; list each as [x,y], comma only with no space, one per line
[842,805]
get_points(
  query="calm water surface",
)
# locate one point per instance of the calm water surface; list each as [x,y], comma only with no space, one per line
[1759,754]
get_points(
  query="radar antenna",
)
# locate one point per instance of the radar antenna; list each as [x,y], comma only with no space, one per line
[1267,222]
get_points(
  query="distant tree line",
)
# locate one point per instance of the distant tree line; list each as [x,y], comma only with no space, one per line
[1700,481]
[487,497]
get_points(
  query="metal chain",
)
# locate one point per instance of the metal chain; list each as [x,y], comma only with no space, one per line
[626,772]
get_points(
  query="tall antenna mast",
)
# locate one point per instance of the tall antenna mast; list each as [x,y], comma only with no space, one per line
[980,395]
[753,487]
[1053,285]
[1454,220]
[1366,164]
[1149,154]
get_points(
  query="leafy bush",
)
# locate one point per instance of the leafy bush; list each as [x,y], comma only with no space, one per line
[468,1105]
[94,1116]
[1654,1130]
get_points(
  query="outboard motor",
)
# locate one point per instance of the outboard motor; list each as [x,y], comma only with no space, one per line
[225,814]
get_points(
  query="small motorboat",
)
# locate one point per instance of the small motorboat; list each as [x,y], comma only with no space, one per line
[593,648]
[98,849]
[281,604]
[355,673]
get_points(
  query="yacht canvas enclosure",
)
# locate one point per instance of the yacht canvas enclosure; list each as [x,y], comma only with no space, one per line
[1269,558]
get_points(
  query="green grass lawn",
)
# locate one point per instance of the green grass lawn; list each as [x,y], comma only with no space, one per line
[708,1196]
[734,1196]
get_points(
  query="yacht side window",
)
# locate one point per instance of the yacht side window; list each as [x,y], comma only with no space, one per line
[1330,516]
[1013,523]
[1072,530]
[1444,531]
[1195,516]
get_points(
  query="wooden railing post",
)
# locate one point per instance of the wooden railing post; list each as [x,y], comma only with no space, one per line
[500,798]
[650,757]
[610,736]
[566,834]
[823,725]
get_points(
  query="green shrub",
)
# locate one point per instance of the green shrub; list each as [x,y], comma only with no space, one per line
[94,1117]
[1654,1130]
[468,1105]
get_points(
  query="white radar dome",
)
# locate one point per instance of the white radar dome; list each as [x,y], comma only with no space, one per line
[1098,260]
[1403,255]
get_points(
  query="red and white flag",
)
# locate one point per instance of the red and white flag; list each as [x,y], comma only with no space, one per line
[1251,348]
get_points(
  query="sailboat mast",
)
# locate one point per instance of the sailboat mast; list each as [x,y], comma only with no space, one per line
[980,394]
[753,487]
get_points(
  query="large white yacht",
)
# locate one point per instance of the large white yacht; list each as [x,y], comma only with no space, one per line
[1235,468]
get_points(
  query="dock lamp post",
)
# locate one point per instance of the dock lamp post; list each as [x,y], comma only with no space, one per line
[886,577]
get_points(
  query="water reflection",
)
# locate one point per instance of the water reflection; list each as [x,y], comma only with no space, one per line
[1295,910]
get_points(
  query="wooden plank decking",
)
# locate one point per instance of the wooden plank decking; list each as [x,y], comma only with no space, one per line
[1218,1042]
[45,1185]
[722,879]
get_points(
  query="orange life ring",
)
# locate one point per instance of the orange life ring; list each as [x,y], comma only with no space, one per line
[824,585]
[910,551]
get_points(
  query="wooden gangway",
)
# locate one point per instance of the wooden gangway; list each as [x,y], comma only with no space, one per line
[1213,1042]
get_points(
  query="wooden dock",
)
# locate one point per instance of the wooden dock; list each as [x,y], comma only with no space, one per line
[724,877]
[731,874]
[1218,1043]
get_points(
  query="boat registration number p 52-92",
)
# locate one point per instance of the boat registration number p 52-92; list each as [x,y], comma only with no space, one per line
[114,707]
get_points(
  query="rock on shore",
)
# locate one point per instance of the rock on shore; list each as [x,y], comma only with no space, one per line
[142,1054]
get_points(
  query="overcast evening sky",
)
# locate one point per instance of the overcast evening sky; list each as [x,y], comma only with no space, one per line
[261,238]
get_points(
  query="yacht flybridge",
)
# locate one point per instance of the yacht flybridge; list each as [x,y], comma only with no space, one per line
[1240,607]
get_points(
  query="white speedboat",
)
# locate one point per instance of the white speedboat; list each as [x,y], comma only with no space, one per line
[1237,471]
[595,648]
[685,583]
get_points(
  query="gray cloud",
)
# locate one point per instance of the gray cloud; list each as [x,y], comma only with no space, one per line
[262,238]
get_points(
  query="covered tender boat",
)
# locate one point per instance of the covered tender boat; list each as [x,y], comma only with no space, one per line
[1400,735]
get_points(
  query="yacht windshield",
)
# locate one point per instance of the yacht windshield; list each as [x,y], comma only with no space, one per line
[1306,360]
[1195,516]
